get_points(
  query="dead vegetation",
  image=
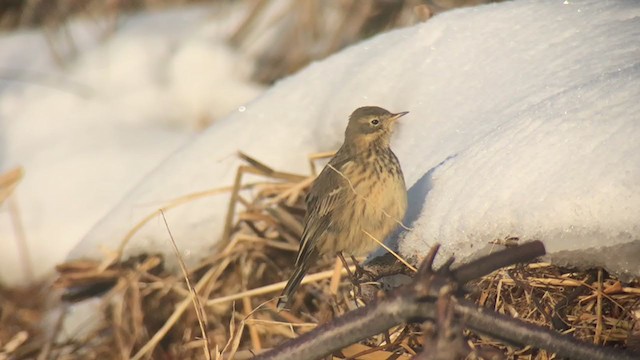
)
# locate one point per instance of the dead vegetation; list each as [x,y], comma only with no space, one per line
[148,312]
[282,36]
[591,305]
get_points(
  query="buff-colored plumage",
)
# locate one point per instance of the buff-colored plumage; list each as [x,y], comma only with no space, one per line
[361,189]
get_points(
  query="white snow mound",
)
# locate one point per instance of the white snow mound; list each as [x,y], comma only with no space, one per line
[524,123]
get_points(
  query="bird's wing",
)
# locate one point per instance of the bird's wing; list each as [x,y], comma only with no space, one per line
[326,195]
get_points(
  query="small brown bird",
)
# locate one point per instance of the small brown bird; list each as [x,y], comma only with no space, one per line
[361,189]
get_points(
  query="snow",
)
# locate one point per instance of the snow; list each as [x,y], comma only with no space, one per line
[523,124]
[87,133]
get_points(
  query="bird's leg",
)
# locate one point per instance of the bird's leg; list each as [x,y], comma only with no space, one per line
[362,276]
[346,266]
[352,278]
[360,271]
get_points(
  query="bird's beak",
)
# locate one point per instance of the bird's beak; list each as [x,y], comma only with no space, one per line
[397,116]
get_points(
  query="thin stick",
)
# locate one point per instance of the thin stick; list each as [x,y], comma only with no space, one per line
[291,191]
[498,295]
[316,156]
[232,328]
[179,310]
[286,220]
[228,221]
[253,332]
[598,334]
[8,182]
[274,287]
[21,239]
[200,314]
[172,204]
[235,344]
[263,169]
[413,268]
[272,243]
[335,279]
[211,275]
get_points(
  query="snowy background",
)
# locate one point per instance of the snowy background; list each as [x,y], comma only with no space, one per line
[523,123]
[87,133]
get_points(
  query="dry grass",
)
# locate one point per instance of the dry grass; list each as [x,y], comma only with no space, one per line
[589,305]
[304,31]
[150,313]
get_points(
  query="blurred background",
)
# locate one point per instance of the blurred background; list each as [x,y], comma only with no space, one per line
[297,32]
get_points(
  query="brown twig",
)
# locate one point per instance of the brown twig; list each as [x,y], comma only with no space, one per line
[197,305]
[598,334]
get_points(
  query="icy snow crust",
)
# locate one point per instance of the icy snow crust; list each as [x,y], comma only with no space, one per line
[524,123]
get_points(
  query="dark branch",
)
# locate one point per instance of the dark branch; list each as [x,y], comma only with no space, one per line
[497,260]
[348,329]
[416,302]
[515,331]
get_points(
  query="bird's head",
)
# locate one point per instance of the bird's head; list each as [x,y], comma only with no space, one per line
[371,125]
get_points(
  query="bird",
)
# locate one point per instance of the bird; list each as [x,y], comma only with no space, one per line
[361,190]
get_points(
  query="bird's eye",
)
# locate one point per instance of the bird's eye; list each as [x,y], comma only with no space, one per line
[375,122]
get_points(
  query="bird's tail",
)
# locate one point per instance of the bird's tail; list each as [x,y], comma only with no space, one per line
[292,285]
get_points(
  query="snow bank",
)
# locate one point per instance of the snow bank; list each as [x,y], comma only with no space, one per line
[85,135]
[524,123]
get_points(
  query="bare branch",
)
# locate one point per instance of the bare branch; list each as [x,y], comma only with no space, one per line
[417,302]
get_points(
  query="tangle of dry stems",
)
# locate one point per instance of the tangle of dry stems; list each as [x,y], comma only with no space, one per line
[156,313]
